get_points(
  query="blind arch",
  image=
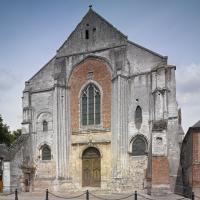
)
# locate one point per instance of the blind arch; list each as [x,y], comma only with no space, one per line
[139,145]
[46,152]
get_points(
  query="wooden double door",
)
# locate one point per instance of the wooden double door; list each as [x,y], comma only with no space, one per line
[91,168]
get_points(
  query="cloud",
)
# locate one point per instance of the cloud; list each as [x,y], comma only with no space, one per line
[189,78]
[188,93]
[7,80]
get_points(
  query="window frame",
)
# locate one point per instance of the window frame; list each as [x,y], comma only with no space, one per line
[87,125]
[138,117]
[42,149]
[138,136]
[44,126]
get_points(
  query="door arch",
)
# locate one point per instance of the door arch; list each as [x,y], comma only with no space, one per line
[91,167]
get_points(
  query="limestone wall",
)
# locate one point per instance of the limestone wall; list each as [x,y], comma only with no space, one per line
[128,76]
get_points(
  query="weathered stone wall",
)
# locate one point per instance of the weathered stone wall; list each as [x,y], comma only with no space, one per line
[6,176]
[128,76]
[196,162]
[80,142]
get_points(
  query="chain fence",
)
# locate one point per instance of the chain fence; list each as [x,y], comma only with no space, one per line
[87,195]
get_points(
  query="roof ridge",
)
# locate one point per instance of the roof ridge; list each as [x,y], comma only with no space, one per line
[109,23]
[153,52]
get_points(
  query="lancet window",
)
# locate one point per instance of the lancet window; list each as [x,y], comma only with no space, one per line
[91,105]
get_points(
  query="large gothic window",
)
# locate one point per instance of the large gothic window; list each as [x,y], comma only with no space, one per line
[46,153]
[139,146]
[91,105]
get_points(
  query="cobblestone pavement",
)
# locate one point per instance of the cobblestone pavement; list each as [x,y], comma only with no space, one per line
[92,196]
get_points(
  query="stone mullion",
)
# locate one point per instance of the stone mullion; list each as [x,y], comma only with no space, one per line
[119,124]
[123,122]
[62,132]
[114,126]
[60,128]
[59,135]
[68,131]
[55,122]
[118,121]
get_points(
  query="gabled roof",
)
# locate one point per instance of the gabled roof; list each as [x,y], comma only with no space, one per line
[91,12]
[195,127]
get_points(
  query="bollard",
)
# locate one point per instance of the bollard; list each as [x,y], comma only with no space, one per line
[47,194]
[135,195]
[192,196]
[87,195]
[16,194]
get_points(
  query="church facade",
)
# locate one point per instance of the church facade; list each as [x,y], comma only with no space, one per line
[101,114]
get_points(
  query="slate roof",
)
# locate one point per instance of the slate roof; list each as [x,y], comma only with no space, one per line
[196,125]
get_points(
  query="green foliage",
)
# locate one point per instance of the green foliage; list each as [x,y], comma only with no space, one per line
[4,133]
[6,136]
[17,133]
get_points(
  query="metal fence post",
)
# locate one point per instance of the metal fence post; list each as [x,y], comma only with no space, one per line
[47,194]
[192,196]
[87,195]
[135,195]
[16,194]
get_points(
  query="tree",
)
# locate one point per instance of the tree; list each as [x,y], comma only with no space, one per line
[6,136]
[4,133]
[17,133]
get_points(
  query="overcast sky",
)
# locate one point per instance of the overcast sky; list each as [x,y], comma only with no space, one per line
[32,30]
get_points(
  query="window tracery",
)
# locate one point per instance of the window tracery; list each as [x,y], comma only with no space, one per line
[139,146]
[91,105]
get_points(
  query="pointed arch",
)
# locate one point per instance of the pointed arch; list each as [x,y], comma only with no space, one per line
[90,99]
[46,152]
[139,145]
[100,59]
[138,117]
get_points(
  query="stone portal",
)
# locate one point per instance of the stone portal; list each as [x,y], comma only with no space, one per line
[91,168]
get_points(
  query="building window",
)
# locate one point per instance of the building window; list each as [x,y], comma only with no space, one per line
[138,117]
[139,146]
[45,125]
[46,153]
[90,105]
[87,34]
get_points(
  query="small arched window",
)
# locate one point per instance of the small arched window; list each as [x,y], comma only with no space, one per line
[45,125]
[46,152]
[139,146]
[91,105]
[138,117]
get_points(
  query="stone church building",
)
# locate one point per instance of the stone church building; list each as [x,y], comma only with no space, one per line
[101,114]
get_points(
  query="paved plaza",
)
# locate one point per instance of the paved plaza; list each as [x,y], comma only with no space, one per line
[92,196]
